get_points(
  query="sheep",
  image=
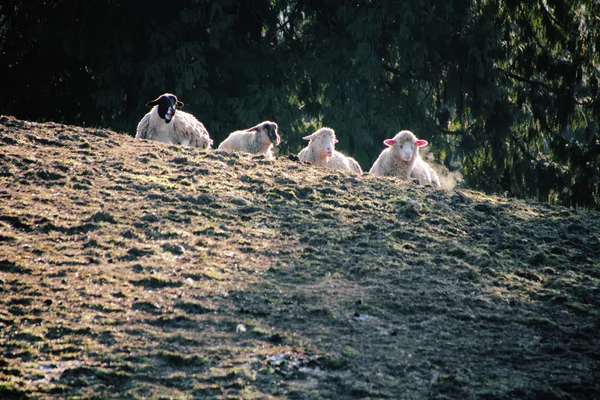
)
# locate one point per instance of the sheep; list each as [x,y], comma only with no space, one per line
[164,123]
[402,159]
[321,152]
[256,140]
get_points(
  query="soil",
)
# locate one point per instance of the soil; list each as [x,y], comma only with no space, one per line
[134,269]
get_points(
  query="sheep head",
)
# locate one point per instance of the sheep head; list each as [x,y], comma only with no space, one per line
[323,142]
[268,129]
[405,145]
[166,106]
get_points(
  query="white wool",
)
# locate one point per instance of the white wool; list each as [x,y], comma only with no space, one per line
[321,152]
[424,173]
[354,165]
[401,159]
[253,140]
[183,129]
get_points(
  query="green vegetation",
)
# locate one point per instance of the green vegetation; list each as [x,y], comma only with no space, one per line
[505,91]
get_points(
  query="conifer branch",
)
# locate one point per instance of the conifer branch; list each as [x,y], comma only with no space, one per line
[526,80]
[405,74]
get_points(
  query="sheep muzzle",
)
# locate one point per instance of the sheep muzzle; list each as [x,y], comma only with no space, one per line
[275,139]
[169,115]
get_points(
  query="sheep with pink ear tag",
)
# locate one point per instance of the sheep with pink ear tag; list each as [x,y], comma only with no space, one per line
[401,159]
[321,152]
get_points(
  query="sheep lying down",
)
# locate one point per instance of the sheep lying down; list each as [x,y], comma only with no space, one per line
[401,159]
[256,140]
[321,152]
[164,123]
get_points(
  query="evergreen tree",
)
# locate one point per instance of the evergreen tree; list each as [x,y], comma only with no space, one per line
[508,91]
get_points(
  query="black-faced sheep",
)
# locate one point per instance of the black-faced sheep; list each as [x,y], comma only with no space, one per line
[401,159]
[164,123]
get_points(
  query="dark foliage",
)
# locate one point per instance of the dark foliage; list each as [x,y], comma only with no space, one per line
[506,92]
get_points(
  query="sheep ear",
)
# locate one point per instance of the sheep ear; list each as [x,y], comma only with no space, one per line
[309,137]
[253,129]
[335,140]
[389,142]
[179,103]
[152,103]
[421,143]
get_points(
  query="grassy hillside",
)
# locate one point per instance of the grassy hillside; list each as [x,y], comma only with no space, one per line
[134,269]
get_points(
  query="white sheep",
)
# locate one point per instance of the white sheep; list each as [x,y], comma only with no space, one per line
[256,140]
[401,159]
[164,123]
[321,152]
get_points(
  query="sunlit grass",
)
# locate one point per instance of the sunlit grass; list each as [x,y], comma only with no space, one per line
[232,276]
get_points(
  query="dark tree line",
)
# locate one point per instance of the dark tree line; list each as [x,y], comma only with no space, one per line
[506,91]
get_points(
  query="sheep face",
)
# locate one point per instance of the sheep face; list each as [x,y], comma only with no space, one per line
[268,129]
[166,106]
[323,142]
[405,145]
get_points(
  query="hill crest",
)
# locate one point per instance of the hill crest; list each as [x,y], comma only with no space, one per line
[135,268]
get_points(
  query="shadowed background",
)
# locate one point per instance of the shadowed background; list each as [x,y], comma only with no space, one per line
[506,94]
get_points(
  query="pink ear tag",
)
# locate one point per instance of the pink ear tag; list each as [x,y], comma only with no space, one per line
[421,143]
[389,142]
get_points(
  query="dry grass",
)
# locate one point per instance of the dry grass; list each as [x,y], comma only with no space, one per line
[134,269]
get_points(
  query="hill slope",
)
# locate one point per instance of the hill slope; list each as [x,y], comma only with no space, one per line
[135,269]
